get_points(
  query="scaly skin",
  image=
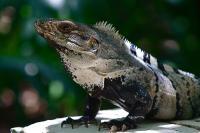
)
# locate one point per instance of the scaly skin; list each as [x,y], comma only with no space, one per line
[108,66]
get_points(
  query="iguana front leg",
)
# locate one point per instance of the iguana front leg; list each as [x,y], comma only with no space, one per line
[132,97]
[92,107]
[129,122]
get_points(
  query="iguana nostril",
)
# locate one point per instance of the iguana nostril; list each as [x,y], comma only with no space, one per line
[40,24]
[43,27]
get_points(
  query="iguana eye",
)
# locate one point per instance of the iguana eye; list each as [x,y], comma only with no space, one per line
[93,44]
[66,27]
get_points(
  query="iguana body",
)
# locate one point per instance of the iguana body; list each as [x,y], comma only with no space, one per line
[108,66]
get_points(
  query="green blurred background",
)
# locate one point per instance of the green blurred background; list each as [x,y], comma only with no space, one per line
[33,83]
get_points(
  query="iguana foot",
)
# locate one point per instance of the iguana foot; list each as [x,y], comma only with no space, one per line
[81,121]
[118,125]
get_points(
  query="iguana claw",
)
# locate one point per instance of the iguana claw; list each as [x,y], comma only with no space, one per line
[82,121]
[117,125]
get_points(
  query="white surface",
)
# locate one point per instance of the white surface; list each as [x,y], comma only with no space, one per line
[53,126]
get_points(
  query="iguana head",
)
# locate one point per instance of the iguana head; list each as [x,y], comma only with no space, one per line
[89,52]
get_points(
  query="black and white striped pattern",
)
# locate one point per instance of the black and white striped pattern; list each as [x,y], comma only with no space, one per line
[140,54]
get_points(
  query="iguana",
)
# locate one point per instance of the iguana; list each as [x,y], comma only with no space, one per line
[108,66]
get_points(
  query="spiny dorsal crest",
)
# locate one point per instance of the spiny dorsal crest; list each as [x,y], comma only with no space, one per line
[109,29]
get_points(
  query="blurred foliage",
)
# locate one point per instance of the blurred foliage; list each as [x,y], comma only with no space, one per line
[33,83]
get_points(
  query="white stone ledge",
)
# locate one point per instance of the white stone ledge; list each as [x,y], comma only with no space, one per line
[53,126]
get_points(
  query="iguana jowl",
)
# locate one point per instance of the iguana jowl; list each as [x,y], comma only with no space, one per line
[108,66]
